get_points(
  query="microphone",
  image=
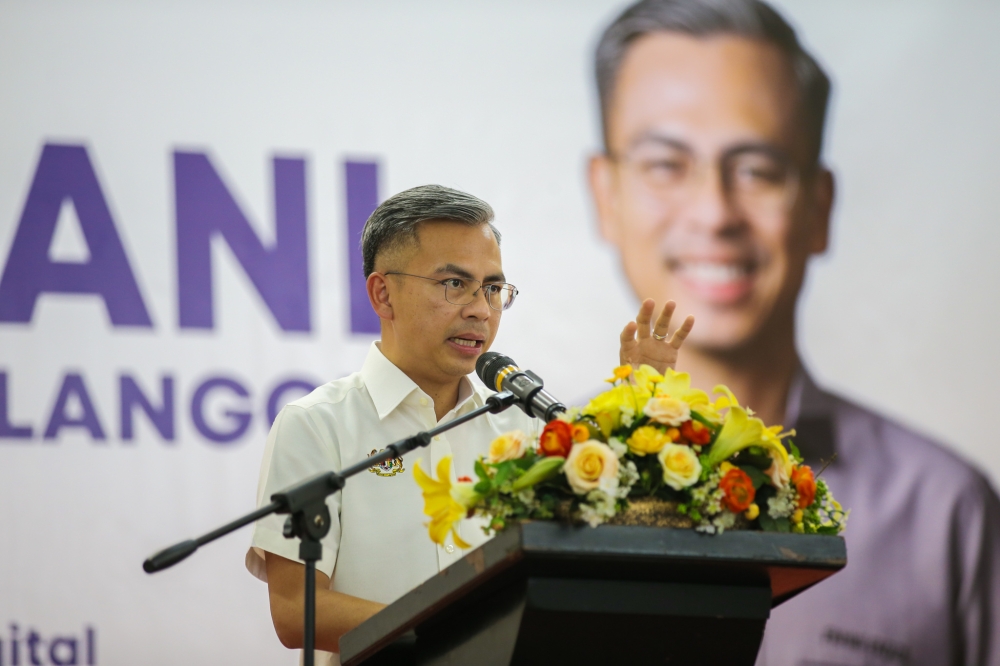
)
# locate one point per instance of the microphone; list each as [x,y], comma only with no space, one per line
[500,373]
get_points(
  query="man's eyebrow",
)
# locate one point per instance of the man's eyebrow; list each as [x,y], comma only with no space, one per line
[762,147]
[651,136]
[452,269]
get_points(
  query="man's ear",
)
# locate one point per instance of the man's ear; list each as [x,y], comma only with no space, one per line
[602,188]
[823,195]
[378,295]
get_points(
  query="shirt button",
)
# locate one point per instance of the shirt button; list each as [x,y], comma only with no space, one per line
[423,402]
[449,549]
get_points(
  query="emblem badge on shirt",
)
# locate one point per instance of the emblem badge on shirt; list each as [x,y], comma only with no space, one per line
[387,468]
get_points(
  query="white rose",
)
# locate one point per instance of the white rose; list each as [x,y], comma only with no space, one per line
[668,411]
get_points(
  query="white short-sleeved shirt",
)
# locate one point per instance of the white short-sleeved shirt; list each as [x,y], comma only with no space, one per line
[378,547]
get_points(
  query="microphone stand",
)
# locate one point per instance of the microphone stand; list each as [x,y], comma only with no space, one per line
[309,516]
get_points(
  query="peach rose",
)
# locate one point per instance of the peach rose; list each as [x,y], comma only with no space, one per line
[508,446]
[666,410]
[588,464]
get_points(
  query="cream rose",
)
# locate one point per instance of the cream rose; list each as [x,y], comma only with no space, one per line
[508,446]
[680,466]
[588,464]
[668,411]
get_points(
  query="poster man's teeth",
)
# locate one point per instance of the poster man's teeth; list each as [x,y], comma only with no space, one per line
[717,273]
[465,343]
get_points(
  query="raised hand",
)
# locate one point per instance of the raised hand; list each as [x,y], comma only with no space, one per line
[641,344]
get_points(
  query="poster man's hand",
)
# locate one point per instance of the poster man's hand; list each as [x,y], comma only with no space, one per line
[641,344]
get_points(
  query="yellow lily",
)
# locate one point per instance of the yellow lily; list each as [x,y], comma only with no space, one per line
[646,377]
[678,385]
[441,502]
[606,408]
[740,430]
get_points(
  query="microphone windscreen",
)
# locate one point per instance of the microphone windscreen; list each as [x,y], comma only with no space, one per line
[489,364]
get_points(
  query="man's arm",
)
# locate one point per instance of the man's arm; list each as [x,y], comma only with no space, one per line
[336,613]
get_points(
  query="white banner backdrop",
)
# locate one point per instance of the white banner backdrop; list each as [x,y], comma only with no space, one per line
[216,155]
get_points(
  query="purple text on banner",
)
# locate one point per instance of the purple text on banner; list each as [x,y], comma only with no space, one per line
[362,199]
[205,208]
[65,173]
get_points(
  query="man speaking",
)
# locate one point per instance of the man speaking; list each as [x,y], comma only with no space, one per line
[712,187]
[436,281]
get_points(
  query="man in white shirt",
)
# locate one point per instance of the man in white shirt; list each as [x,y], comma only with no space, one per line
[435,278]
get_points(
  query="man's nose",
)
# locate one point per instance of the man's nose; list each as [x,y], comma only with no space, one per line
[479,308]
[710,206]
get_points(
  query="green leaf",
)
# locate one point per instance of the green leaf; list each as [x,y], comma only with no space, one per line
[542,470]
[524,463]
[756,476]
[794,450]
[481,471]
[483,487]
[504,472]
[695,416]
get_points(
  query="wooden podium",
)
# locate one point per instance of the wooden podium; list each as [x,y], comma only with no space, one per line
[547,593]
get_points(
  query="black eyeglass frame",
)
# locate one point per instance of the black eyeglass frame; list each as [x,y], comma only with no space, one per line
[443,282]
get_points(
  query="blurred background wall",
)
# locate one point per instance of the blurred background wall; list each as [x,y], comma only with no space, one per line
[359,100]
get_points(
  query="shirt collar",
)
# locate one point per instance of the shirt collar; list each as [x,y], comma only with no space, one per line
[811,412]
[389,386]
[805,399]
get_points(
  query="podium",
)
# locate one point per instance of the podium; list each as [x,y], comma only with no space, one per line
[549,593]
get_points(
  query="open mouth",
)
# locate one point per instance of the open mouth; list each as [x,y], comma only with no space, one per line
[717,281]
[466,345]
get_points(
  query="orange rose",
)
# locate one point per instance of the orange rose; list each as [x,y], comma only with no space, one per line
[556,439]
[695,432]
[738,489]
[581,433]
[805,485]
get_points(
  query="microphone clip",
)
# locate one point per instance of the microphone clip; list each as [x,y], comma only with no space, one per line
[501,401]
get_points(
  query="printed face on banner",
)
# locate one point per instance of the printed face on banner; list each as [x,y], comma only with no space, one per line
[424,334]
[705,188]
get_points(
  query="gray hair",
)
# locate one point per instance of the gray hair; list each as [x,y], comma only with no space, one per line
[394,223]
[752,19]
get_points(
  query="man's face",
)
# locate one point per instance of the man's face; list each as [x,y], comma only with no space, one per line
[436,339]
[707,190]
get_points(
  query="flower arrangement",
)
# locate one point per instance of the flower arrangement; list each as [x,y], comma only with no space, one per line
[650,437]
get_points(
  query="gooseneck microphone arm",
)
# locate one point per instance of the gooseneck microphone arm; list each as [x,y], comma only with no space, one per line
[309,517]
[500,373]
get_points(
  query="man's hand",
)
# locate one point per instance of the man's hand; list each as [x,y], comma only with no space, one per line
[653,347]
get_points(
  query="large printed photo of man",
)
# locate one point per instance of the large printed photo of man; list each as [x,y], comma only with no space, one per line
[712,187]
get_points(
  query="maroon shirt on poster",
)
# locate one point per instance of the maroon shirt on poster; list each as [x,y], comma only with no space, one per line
[922,582]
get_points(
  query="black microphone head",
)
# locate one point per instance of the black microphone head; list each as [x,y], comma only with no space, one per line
[489,364]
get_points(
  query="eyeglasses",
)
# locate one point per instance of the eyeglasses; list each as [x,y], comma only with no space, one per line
[462,291]
[757,179]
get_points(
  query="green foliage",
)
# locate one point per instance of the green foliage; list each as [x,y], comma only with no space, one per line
[541,470]
[769,524]
[757,477]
